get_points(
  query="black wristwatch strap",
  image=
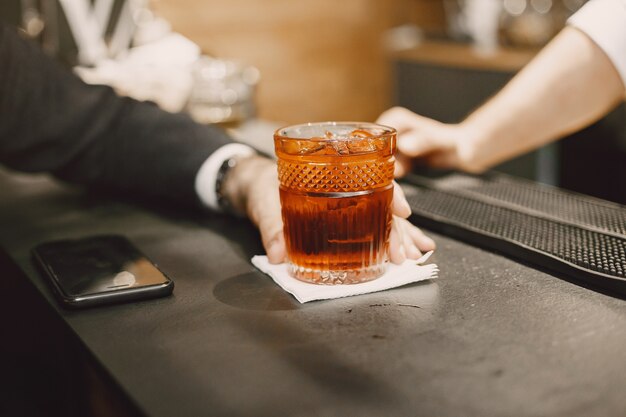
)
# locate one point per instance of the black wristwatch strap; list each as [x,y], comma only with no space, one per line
[224,203]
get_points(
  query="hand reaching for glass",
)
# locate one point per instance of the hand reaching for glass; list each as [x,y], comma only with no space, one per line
[425,140]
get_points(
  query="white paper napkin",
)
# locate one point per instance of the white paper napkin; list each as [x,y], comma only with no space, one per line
[396,276]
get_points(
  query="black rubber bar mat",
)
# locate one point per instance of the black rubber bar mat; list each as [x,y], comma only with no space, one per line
[582,237]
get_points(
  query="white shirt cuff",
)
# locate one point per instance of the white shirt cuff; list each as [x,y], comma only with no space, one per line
[604,21]
[207,174]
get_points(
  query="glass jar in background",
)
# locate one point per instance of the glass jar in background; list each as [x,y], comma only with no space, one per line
[222,91]
[534,22]
[525,23]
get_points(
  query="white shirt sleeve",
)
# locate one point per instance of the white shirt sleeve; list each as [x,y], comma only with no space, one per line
[604,21]
[207,174]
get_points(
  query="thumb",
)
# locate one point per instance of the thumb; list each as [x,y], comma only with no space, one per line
[270,223]
[263,208]
[274,245]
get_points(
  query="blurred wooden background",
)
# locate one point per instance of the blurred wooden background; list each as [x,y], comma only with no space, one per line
[319,59]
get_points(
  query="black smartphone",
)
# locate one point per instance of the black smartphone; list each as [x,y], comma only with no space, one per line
[100,270]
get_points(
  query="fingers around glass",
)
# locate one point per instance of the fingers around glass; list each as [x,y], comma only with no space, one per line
[406,241]
[396,243]
[399,206]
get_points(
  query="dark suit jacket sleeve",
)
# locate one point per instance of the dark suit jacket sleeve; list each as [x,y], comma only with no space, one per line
[51,121]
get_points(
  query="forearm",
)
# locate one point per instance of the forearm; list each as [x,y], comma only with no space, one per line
[51,121]
[569,85]
[145,152]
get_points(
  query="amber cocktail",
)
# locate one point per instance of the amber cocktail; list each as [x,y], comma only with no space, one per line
[335,191]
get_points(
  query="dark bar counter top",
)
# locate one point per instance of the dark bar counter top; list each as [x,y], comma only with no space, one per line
[489,337]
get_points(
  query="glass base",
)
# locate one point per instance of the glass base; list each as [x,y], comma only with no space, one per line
[329,277]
